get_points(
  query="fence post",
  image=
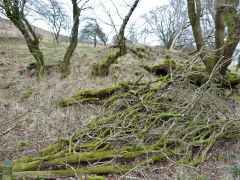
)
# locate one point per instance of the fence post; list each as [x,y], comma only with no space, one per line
[6,170]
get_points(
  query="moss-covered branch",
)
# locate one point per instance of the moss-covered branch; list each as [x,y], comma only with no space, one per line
[102,69]
[94,95]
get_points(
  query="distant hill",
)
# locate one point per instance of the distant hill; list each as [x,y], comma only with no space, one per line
[8,28]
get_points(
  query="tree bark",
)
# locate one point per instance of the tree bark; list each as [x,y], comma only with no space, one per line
[219,32]
[73,40]
[232,20]
[17,17]
[121,38]
[95,41]
[194,13]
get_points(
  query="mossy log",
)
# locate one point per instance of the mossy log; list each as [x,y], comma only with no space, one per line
[94,95]
[82,172]
[102,69]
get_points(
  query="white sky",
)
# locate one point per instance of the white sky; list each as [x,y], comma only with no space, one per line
[143,7]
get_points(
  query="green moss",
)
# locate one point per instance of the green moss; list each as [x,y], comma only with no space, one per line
[141,55]
[165,79]
[232,136]
[77,158]
[222,158]
[148,95]
[69,172]
[232,76]
[23,144]
[27,94]
[115,66]
[103,68]
[95,177]
[198,68]
[54,147]
[164,115]
[157,87]
[94,95]
[211,59]
[69,101]
[231,79]
[137,73]
[26,166]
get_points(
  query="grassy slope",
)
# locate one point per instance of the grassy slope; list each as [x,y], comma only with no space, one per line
[28,109]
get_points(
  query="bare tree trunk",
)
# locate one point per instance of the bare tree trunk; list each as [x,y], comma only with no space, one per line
[17,17]
[121,38]
[219,32]
[57,37]
[232,20]
[73,41]
[194,12]
[95,41]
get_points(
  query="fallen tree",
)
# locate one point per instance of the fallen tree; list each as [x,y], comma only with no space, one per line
[143,122]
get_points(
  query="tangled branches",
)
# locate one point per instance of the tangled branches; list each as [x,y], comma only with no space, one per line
[144,122]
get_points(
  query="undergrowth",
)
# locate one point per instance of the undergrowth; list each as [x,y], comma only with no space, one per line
[143,123]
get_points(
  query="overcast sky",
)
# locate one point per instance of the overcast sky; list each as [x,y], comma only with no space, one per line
[143,7]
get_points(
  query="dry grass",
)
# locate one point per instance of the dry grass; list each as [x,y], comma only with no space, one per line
[30,119]
[41,121]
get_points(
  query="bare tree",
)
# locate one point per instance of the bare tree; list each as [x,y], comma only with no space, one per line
[225,13]
[15,11]
[101,35]
[54,14]
[78,7]
[121,37]
[167,22]
[103,68]
[133,34]
[92,31]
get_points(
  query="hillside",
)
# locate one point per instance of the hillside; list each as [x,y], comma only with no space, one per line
[8,28]
[31,119]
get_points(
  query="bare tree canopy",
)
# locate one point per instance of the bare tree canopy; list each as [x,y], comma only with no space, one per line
[91,31]
[54,14]
[167,22]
